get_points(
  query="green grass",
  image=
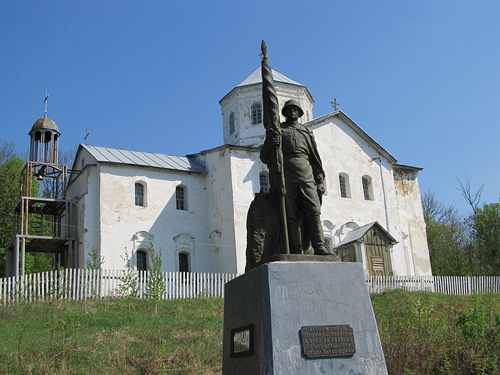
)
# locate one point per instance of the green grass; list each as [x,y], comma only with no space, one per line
[421,334]
[112,336]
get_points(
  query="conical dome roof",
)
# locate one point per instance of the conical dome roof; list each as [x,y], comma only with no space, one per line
[44,123]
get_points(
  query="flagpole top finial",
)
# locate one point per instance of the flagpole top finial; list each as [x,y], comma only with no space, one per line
[263,48]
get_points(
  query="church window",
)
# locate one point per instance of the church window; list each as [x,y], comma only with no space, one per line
[264,182]
[345,189]
[142,264]
[367,188]
[180,198]
[256,113]
[139,194]
[183,262]
[231,123]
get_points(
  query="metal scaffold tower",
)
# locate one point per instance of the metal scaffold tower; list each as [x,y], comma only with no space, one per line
[42,210]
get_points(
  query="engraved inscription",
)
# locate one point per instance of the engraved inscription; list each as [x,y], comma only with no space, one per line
[327,341]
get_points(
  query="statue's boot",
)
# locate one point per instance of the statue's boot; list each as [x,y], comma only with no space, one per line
[317,236]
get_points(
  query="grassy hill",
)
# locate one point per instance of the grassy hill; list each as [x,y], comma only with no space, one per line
[422,334]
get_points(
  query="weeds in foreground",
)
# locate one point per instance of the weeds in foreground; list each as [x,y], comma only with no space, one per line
[425,333]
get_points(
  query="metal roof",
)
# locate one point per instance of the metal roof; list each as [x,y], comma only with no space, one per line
[145,159]
[44,123]
[256,77]
[358,233]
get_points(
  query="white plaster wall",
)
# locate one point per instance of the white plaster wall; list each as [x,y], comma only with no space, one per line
[343,150]
[245,168]
[83,190]
[120,218]
[413,228]
[220,208]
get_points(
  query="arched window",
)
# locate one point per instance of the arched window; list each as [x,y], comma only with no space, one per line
[142,260]
[139,194]
[256,113]
[264,182]
[231,123]
[345,188]
[183,262]
[367,188]
[181,198]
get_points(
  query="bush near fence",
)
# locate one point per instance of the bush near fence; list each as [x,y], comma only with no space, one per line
[79,284]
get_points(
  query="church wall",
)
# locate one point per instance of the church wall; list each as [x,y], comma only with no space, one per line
[245,168]
[219,205]
[414,238]
[83,190]
[343,151]
[121,219]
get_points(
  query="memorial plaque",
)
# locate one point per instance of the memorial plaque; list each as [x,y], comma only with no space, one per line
[242,341]
[327,341]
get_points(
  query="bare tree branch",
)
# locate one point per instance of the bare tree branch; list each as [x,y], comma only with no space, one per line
[7,151]
[472,198]
[437,211]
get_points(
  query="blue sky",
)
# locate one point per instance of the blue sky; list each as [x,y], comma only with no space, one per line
[421,77]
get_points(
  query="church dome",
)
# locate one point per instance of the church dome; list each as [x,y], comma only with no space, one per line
[242,107]
[44,123]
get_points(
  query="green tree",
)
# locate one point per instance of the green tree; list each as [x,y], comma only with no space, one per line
[9,197]
[486,234]
[10,172]
[156,285]
[448,239]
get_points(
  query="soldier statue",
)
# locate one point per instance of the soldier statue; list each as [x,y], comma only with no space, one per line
[304,180]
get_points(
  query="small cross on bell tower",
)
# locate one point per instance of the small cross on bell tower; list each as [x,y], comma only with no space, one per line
[45,101]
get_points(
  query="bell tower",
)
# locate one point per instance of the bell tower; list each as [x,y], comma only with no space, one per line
[42,206]
[242,107]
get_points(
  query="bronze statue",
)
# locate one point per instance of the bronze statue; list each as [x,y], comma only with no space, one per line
[287,220]
[304,178]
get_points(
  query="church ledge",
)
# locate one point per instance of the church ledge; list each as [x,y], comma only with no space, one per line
[237,88]
[225,147]
[402,166]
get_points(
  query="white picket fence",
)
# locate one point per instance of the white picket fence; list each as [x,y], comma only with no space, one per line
[453,285]
[79,284]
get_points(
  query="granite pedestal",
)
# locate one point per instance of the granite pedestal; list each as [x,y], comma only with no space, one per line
[301,318]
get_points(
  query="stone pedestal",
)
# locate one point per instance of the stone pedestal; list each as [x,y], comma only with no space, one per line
[301,318]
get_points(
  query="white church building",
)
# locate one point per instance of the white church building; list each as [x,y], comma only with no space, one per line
[194,207]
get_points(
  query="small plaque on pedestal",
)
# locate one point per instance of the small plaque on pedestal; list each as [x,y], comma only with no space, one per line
[327,341]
